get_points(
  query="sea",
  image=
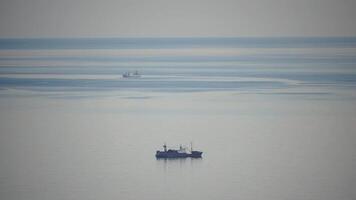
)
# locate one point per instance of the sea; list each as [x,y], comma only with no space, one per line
[275,118]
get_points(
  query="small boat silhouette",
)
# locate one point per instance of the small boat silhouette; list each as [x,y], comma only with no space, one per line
[131,75]
[180,153]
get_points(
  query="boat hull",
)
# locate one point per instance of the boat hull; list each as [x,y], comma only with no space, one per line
[196,154]
[166,154]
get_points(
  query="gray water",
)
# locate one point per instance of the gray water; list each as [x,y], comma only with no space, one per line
[275,118]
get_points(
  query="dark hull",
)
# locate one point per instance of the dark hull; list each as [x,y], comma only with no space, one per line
[194,154]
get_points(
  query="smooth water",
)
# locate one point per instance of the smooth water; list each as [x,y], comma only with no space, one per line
[275,118]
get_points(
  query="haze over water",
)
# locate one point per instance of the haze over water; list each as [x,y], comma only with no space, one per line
[275,118]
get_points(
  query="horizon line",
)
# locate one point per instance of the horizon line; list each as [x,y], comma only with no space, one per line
[176,37]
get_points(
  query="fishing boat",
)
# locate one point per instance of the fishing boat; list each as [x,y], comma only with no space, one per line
[178,153]
[131,74]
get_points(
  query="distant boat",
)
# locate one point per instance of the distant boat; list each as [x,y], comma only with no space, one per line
[180,153]
[131,75]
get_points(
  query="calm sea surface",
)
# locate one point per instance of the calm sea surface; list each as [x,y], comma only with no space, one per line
[275,118]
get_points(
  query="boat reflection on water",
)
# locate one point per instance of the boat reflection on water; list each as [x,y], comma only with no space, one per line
[174,164]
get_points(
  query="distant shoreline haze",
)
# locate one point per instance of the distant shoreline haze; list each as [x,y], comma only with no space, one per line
[173,42]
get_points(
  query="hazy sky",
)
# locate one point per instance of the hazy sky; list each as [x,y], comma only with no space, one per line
[115,18]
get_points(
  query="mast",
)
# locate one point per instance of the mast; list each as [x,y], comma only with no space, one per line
[165,147]
[191,146]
